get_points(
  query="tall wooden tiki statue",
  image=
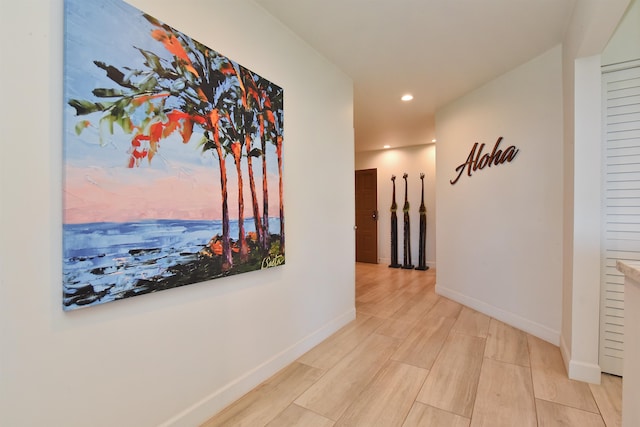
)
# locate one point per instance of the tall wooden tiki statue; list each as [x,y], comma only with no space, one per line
[394,227]
[407,228]
[422,262]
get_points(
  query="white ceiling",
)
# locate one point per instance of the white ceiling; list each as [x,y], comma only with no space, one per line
[435,49]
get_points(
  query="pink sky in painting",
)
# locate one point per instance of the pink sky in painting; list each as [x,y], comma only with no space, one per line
[122,195]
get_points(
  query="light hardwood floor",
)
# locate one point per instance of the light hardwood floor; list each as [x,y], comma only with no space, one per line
[412,358]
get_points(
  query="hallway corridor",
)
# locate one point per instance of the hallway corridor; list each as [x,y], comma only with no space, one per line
[412,358]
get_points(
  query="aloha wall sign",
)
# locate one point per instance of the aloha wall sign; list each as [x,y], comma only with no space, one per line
[478,161]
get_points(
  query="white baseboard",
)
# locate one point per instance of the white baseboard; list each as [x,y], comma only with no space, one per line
[219,399]
[576,370]
[582,371]
[543,332]
[386,261]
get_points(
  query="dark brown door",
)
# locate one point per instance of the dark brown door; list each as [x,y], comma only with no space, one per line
[367,215]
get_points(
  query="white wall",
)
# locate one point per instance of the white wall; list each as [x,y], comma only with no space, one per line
[177,356]
[499,232]
[396,161]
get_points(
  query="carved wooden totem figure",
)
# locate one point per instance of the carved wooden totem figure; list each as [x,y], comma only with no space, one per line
[394,228]
[407,228]
[422,261]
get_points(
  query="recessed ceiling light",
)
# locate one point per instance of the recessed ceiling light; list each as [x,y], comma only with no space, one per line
[386,146]
[433,140]
[407,97]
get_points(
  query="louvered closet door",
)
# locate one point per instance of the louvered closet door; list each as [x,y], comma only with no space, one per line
[621,205]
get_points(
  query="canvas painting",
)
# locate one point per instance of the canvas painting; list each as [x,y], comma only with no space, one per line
[172,159]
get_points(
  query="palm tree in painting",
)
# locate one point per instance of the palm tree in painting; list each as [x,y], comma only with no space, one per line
[262,95]
[277,109]
[200,88]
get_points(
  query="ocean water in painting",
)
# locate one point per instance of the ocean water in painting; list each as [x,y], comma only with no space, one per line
[109,261]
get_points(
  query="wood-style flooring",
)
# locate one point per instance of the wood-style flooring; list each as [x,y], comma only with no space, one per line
[413,358]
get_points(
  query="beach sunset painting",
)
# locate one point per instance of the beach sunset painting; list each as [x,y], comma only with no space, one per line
[172,156]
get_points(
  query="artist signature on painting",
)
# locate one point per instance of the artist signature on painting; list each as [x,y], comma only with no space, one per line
[272,261]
